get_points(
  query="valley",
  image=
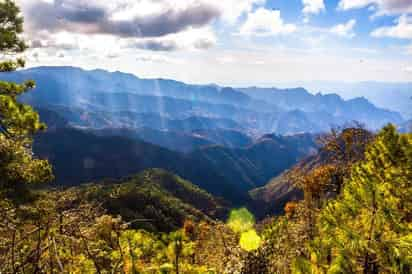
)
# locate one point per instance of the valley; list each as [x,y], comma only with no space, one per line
[227,141]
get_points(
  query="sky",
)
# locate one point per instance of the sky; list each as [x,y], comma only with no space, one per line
[227,42]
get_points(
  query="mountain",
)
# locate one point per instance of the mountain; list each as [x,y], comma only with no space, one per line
[174,140]
[92,119]
[225,137]
[254,165]
[389,95]
[272,198]
[76,80]
[80,156]
[154,199]
[117,100]
[71,85]
[328,108]
[350,144]
[183,140]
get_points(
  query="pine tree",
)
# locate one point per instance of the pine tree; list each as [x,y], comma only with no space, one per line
[18,122]
[368,228]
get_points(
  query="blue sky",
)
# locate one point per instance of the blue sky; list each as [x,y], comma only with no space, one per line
[229,42]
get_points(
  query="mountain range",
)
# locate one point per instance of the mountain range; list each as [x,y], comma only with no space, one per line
[389,95]
[227,141]
[80,156]
[99,99]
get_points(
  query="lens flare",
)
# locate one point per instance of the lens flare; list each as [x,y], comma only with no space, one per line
[250,240]
[241,220]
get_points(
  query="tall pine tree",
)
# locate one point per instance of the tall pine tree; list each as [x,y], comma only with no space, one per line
[18,122]
[368,228]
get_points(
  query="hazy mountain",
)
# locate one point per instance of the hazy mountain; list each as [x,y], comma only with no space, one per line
[328,107]
[117,99]
[225,137]
[173,140]
[182,140]
[393,96]
[86,118]
[71,85]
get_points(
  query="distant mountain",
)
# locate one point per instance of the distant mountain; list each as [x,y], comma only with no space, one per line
[184,141]
[328,108]
[86,118]
[117,100]
[80,156]
[225,137]
[393,96]
[52,119]
[71,84]
[174,140]
[155,200]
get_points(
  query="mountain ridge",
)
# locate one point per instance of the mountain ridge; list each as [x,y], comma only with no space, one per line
[259,112]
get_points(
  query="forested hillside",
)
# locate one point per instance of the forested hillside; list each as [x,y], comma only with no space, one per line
[154,200]
[80,156]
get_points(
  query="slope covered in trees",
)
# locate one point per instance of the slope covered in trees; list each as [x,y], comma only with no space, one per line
[351,220]
[339,149]
[155,200]
[80,156]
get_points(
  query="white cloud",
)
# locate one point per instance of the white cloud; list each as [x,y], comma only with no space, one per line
[231,10]
[264,22]
[313,6]
[122,18]
[64,40]
[408,69]
[143,18]
[193,38]
[159,25]
[344,30]
[156,58]
[402,29]
[382,6]
[226,60]
[354,4]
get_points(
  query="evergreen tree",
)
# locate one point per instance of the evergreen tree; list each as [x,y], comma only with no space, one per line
[368,228]
[18,122]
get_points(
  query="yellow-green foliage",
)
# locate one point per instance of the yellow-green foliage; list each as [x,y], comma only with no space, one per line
[18,122]
[368,228]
